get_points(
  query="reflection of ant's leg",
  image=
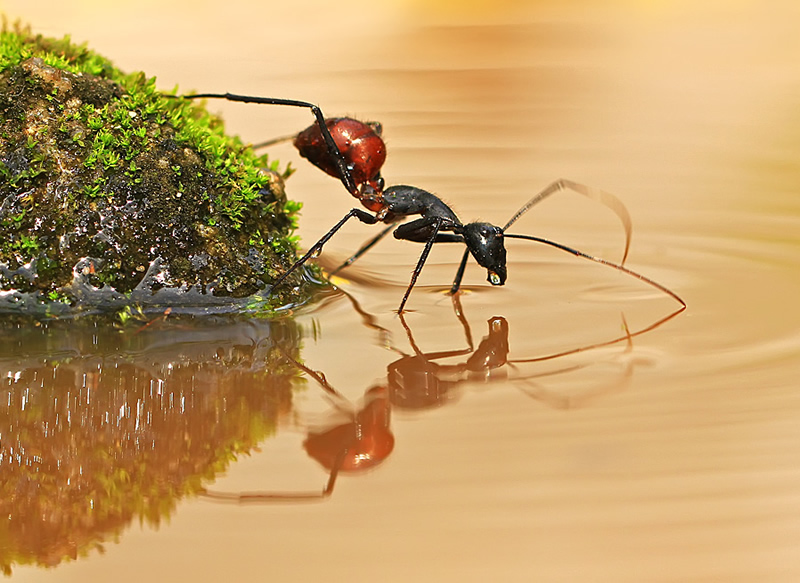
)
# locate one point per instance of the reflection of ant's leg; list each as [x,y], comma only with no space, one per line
[419,382]
[363,437]
[457,309]
[338,400]
[261,497]
[154,322]
[362,441]
[363,249]
[370,321]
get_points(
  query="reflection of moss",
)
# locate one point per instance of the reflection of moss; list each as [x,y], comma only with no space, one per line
[96,431]
[105,182]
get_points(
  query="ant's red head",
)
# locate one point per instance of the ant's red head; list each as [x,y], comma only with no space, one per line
[360,146]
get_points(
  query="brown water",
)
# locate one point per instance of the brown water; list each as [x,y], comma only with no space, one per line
[668,456]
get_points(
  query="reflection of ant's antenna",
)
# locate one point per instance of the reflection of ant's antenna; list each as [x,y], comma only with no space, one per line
[354,152]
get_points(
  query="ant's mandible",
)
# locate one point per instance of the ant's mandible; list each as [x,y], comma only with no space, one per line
[354,152]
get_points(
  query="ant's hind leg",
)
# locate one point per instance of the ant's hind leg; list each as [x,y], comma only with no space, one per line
[341,165]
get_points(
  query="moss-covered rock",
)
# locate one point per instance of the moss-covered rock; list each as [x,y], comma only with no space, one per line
[111,192]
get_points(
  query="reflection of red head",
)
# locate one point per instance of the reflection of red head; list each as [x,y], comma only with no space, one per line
[359,444]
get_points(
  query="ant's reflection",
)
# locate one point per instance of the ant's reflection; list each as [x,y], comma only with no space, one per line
[359,436]
[100,425]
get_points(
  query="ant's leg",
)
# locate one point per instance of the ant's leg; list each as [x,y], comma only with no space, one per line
[605,198]
[344,173]
[419,231]
[434,227]
[362,216]
[460,273]
[335,396]
[429,357]
[364,248]
[273,141]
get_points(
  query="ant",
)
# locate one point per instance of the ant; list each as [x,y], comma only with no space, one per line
[354,152]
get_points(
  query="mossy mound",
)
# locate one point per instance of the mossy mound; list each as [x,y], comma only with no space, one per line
[111,192]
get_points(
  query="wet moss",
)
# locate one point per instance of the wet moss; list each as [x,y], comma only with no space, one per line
[111,192]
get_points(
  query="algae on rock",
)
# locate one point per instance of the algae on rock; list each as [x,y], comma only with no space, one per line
[110,192]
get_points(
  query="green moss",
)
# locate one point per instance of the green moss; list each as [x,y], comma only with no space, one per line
[109,187]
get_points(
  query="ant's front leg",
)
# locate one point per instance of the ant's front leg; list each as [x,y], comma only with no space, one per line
[423,230]
[459,273]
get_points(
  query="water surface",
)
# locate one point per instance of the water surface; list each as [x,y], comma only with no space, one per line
[667,456]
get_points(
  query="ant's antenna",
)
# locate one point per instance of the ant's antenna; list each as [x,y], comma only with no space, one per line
[605,198]
[621,268]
